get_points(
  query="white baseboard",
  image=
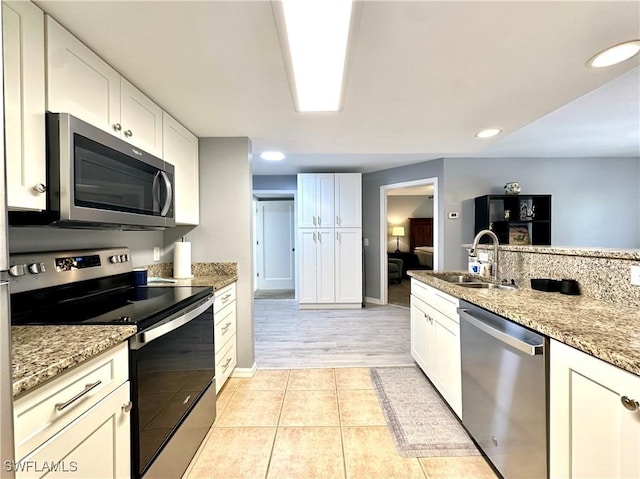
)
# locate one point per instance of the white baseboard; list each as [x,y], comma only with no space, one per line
[373,300]
[245,372]
[331,306]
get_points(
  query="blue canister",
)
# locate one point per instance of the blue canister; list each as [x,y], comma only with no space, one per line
[140,276]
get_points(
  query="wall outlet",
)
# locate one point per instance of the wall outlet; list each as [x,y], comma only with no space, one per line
[483,256]
[156,253]
[635,275]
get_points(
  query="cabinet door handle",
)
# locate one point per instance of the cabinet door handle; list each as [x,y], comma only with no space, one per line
[89,387]
[126,407]
[319,221]
[630,404]
[128,133]
[337,236]
[117,127]
[337,220]
[40,188]
[314,221]
[314,236]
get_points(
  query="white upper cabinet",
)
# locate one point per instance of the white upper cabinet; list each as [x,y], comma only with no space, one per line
[348,199]
[316,200]
[180,148]
[141,119]
[79,82]
[23,49]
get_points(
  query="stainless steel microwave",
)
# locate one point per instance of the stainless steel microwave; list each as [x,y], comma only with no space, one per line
[96,180]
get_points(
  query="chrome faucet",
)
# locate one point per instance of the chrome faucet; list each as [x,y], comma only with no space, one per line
[494,239]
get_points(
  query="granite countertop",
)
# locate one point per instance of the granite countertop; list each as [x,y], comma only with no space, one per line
[613,253]
[217,281]
[42,352]
[607,331]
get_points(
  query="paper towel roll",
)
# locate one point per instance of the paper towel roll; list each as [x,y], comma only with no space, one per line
[182,259]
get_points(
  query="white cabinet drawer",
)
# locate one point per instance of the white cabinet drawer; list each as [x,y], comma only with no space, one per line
[225,362]
[225,326]
[95,446]
[443,302]
[223,297]
[41,413]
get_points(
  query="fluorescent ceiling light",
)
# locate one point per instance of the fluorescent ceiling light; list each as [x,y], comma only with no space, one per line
[615,54]
[488,133]
[317,34]
[272,156]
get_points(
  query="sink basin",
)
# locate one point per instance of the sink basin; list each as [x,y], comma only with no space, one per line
[458,278]
[486,286]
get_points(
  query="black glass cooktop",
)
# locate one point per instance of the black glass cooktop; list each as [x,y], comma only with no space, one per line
[137,305]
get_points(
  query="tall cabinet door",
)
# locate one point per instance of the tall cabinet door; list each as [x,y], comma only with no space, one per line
[307,270]
[23,49]
[325,266]
[348,199]
[348,265]
[306,200]
[79,82]
[325,198]
[594,417]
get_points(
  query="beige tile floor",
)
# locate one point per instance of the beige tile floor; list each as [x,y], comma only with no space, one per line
[312,423]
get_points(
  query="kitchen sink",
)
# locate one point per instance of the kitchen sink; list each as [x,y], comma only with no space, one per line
[457,278]
[479,285]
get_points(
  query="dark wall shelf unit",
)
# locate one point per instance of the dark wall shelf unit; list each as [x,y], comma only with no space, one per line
[515,219]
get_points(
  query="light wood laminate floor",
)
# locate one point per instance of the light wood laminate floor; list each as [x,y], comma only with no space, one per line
[312,423]
[287,337]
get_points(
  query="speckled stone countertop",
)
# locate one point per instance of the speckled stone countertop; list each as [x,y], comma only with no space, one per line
[607,331]
[218,281]
[629,254]
[42,352]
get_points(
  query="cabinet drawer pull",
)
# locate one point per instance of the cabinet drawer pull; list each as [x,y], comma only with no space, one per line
[226,297]
[630,404]
[226,364]
[88,387]
[226,327]
[126,407]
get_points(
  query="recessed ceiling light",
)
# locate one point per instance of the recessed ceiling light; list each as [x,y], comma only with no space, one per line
[615,54]
[488,133]
[317,34]
[272,156]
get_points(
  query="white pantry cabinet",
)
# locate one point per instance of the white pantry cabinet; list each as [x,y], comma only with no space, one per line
[348,265]
[81,83]
[348,200]
[315,200]
[594,417]
[316,266]
[180,148]
[79,423]
[24,104]
[435,340]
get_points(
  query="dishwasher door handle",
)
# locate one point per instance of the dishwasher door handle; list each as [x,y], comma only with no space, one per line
[530,349]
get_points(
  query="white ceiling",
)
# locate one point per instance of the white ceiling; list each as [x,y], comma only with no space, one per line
[423,78]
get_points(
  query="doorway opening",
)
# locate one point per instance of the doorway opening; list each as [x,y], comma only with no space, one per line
[274,246]
[408,235]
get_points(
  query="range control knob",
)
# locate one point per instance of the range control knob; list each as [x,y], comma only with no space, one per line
[36,268]
[18,270]
[123,258]
[115,258]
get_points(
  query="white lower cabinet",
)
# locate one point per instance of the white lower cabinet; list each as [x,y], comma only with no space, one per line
[435,340]
[348,265]
[594,417]
[224,333]
[77,425]
[316,265]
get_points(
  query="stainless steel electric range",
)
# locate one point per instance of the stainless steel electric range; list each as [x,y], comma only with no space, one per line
[171,357]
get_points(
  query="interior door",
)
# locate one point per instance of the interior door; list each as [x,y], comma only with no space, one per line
[276,269]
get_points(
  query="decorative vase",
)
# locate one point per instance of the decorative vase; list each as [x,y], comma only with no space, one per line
[512,188]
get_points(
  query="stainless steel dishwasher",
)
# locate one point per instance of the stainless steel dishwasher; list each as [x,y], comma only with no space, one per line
[504,391]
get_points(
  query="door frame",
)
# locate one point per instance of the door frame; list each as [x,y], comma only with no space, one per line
[261,204]
[384,273]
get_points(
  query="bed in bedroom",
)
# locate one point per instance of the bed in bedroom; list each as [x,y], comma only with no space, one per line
[421,240]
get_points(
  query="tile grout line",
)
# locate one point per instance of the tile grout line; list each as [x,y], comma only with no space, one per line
[275,432]
[344,456]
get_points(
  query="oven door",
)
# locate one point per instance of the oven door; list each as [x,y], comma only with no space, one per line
[172,366]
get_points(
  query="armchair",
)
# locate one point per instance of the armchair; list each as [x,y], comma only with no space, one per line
[395,269]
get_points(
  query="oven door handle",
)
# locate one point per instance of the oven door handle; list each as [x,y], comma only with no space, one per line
[146,337]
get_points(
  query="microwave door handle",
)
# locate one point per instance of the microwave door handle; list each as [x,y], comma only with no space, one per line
[155,191]
[167,184]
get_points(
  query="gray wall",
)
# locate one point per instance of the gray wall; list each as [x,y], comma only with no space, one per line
[275,182]
[399,210]
[595,201]
[371,183]
[140,243]
[226,226]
